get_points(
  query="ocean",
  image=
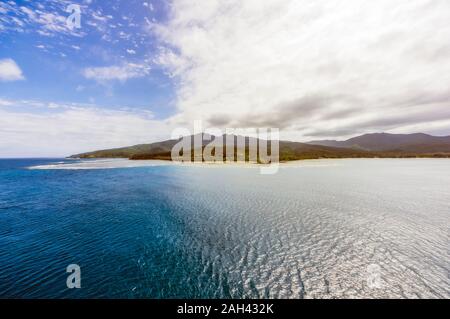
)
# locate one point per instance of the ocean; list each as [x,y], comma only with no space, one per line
[353,228]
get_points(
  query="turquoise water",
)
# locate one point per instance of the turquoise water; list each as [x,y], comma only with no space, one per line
[318,230]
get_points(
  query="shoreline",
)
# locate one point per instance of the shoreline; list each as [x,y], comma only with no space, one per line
[112,163]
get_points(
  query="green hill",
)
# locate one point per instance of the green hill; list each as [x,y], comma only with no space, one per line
[288,150]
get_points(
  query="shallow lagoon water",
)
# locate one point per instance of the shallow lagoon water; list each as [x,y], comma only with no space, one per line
[376,228]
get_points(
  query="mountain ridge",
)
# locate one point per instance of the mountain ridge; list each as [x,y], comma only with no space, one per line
[386,142]
[363,146]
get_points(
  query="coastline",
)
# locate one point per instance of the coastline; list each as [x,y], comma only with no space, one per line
[112,163]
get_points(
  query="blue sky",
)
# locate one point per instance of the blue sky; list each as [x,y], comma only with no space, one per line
[136,70]
[53,58]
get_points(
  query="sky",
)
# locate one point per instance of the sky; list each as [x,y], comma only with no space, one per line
[133,71]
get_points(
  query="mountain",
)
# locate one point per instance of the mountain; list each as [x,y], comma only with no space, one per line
[364,146]
[162,150]
[127,152]
[384,142]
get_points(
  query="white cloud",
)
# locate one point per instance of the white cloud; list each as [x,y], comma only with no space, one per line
[148,5]
[98,16]
[52,129]
[10,71]
[314,68]
[121,72]
[4,102]
[50,23]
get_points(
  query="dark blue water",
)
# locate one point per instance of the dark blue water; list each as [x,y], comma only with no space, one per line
[204,232]
[120,226]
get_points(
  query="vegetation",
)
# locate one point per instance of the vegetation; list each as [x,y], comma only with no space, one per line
[290,151]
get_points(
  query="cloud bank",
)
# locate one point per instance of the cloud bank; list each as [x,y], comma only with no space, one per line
[37,129]
[313,68]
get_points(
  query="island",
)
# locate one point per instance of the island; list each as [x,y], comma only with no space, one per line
[373,145]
